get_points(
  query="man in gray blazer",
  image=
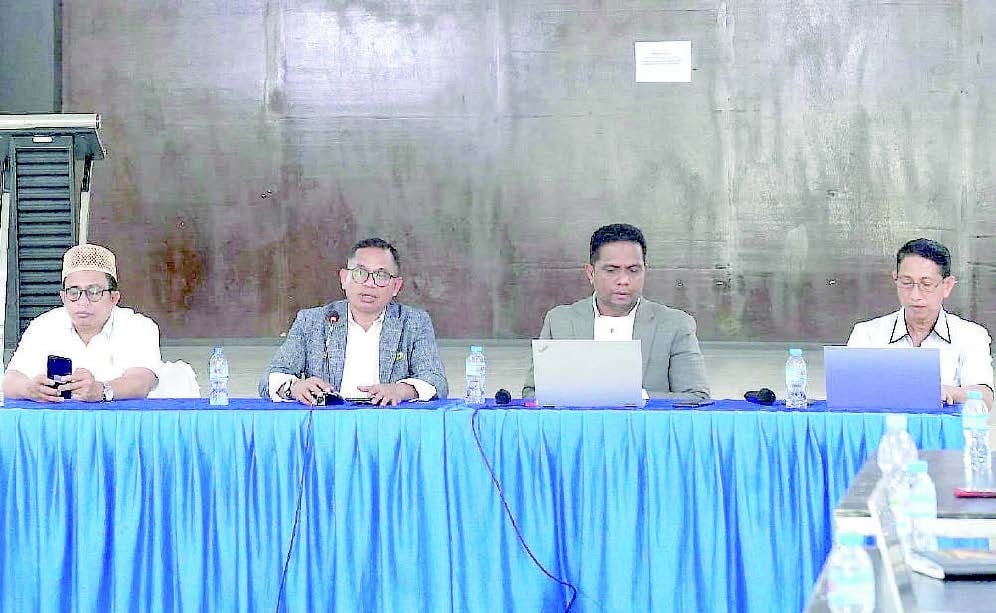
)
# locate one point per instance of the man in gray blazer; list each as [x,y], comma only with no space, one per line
[391,354]
[672,362]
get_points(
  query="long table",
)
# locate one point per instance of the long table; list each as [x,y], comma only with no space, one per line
[173,505]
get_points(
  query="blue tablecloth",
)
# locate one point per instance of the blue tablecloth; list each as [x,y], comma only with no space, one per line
[174,505]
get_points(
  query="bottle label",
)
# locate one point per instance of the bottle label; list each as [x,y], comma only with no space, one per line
[852,589]
[977,421]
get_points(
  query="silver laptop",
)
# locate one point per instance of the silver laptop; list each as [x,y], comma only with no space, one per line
[588,373]
[887,379]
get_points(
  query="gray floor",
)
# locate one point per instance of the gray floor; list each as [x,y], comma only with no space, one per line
[732,368]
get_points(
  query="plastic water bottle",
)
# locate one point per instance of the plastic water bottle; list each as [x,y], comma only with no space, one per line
[850,576]
[975,425]
[896,449]
[922,506]
[477,370]
[1,381]
[218,375]
[795,380]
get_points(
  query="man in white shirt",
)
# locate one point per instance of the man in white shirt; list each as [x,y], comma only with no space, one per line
[672,362]
[114,350]
[923,280]
[366,346]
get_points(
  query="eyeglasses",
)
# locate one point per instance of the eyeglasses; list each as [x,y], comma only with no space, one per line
[381,277]
[93,293]
[927,286]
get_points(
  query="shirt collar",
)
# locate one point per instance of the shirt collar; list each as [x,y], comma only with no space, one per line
[630,315]
[349,317]
[941,328]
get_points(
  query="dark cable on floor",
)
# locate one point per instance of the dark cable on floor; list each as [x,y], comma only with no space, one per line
[511,517]
[305,462]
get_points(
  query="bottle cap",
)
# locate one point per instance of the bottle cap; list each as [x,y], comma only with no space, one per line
[917,466]
[850,539]
[895,421]
[795,352]
[476,349]
[974,395]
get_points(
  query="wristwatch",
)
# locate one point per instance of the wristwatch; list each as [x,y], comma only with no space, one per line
[108,392]
[284,391]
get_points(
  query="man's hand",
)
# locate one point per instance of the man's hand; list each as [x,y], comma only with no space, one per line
[305,390]
[389,393]
[42,389]
[84,387]
[951,394]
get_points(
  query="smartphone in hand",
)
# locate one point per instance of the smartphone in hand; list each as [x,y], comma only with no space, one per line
[59,369]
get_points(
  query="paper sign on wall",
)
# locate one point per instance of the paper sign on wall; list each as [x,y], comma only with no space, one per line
[664,61]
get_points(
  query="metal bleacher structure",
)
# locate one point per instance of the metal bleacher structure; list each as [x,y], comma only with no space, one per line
[45,165]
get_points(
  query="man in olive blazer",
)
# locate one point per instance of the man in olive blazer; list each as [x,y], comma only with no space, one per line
[672,362]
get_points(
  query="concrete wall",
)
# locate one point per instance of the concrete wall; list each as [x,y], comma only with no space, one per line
[30,37]
[251,143]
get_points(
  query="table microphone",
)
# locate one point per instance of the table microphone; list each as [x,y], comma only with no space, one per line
[503,396]
[762,396]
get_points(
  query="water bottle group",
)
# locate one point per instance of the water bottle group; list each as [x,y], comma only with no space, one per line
[912,497]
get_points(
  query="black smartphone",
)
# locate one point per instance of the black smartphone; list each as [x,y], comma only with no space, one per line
[59,369]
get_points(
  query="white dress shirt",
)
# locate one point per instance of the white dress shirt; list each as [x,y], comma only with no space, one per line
[361,364]
[963,345]
[127,340]
[616,328]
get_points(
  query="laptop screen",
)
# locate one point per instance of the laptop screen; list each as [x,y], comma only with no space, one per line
[588,373]
[900,379]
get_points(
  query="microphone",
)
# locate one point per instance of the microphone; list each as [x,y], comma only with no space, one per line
[762,396]
[503,396]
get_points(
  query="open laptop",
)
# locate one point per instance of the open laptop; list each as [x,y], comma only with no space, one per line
[588,373]
[900,379]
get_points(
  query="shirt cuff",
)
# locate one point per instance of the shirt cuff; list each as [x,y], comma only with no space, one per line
[277,379]
[426,391]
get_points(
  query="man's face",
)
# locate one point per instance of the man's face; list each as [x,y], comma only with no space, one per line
[920,287]
[87,315]
[367,297]
[617,276]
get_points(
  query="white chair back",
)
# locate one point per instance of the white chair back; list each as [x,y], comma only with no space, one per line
[176,380]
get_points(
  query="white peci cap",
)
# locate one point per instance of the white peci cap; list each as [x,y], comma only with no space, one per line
[88,257]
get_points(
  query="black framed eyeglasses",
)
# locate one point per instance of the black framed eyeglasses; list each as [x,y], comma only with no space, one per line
[381,277]
[93,293]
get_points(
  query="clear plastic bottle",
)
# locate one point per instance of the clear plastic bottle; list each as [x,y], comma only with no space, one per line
[477,370]
[1,379]
[975,425]
[896,449]
[850,576]
[218,376]
[795,380]
[922,506]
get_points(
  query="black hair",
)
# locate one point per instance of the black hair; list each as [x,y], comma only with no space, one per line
[376,243]
[927,249]
[614,233]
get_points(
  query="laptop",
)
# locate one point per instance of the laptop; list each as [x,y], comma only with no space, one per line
[588,373]
[898,379]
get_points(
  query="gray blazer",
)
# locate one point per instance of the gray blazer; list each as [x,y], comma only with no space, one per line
[315,347]
[672,362]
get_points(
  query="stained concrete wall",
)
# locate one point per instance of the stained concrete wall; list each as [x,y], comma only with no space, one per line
[250,143]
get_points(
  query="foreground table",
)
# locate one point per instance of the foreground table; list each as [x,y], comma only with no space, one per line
[956,517]
[172,505]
